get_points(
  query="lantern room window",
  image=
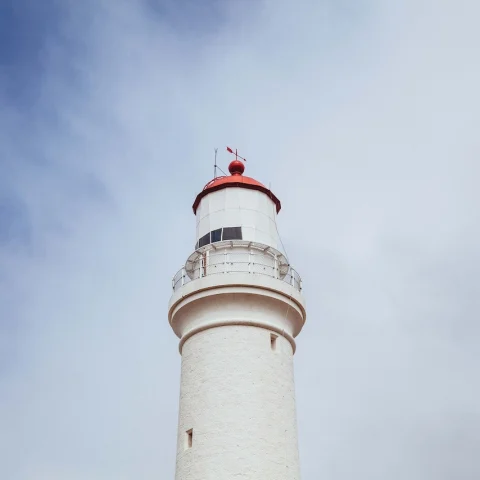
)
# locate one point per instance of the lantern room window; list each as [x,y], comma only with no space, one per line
[216,235]
[232,233]
[205,240]
[226,233]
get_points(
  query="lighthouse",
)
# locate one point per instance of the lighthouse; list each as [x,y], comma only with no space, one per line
[237,307]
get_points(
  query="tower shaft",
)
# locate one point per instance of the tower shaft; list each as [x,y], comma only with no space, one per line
[238,400]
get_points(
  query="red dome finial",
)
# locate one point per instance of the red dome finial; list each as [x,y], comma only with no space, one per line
[236,167]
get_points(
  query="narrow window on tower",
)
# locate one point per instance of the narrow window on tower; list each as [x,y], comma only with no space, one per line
[189,439]
[273,341]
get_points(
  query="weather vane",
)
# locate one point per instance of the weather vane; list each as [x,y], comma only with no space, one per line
[237,156]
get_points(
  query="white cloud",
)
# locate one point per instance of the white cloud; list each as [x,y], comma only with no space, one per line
[364,119]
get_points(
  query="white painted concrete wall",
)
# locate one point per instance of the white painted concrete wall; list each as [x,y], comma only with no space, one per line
[238,397]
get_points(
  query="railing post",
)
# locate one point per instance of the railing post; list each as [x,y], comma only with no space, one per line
[249,261]
[225,259]
[275,273]
[183,276]
[292,276]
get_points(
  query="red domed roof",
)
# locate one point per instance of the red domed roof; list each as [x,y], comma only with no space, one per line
[236,179]
[231,179]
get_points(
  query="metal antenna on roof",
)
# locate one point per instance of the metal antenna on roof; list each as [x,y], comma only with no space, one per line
[221,170]
[216,167]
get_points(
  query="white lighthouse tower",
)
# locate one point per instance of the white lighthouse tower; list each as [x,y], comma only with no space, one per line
[237,308]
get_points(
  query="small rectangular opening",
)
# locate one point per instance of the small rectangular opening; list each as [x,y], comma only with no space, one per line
[273,341]
[189,440]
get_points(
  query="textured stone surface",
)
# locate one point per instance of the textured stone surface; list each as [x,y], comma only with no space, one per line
[238,397]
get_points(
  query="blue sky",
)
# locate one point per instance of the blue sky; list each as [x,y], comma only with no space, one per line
[363,118]
[25,28]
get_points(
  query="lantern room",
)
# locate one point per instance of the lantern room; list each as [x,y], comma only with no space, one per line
[236,207]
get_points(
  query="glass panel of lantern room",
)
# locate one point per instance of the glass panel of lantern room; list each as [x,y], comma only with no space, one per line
[216,235]
[232,233]
[205,240]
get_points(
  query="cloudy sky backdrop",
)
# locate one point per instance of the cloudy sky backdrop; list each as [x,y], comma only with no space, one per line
[364,118]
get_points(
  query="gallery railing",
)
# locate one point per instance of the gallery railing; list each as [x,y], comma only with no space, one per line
[237,262]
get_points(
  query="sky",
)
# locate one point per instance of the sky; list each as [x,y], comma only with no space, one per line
[363,116]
